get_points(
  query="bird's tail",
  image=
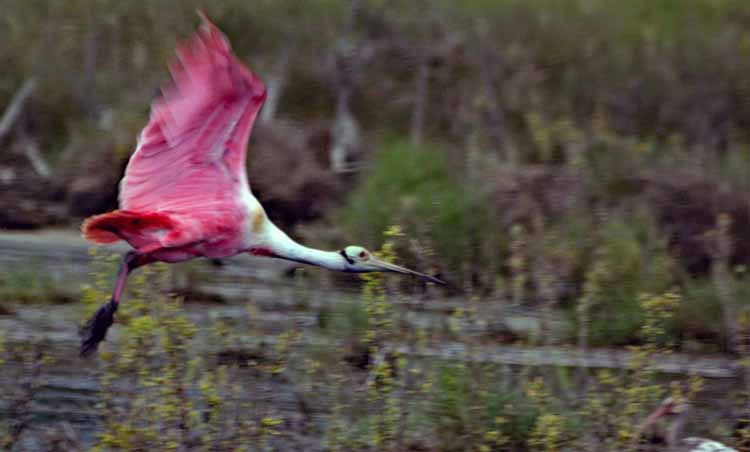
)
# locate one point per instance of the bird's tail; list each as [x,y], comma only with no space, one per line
[118,224]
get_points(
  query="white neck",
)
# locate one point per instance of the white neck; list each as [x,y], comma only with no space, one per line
[283,247]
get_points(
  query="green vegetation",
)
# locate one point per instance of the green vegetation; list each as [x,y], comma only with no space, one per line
[616,257]
[176,400]
[412,187]
[618,404]
[23,285]
[622,266]
[584,157]
[166,383]
[609,150]
[22,364]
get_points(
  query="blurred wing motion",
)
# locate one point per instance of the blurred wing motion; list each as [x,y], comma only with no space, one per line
[191,156]
[185,192]
[186,179]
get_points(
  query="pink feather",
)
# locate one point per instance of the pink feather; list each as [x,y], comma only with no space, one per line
[189,165]
[191,155]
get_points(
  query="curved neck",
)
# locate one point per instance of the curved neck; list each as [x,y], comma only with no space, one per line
[305,255]
[281,246]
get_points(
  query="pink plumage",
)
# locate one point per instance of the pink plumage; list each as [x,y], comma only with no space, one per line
[190,161]
[185,192]
[113,226]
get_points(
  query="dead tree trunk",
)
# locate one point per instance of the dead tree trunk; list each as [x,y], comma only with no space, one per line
[275,87]
[87,85]
[420,99]
[16,105]
[721,276]
[346,136]
[494,118]
[31,150]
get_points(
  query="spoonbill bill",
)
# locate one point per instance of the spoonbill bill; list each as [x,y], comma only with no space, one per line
[185,192]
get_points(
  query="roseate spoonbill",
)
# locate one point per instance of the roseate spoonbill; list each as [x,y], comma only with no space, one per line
[676,411]
[185,192]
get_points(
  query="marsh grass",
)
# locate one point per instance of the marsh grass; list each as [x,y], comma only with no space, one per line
[157,392]
[23,366]
[415,188]
[378,427]
[22,285]
[166,384]
[616,403]
[548,204]
[616,110]
[742,432]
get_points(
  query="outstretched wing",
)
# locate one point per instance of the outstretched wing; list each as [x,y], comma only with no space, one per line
[191,155]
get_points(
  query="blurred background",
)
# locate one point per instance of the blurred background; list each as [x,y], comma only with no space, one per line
[578,170]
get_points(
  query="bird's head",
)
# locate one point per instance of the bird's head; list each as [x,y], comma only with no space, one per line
[360,260]
[671,406]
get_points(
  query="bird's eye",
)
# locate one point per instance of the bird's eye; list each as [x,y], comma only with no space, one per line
[362,254]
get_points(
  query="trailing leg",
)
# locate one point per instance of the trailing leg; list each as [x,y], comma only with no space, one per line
[95,329]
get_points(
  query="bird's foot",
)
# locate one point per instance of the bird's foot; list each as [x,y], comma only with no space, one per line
[95,329]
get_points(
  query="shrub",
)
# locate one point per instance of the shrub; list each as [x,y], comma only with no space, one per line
[416,188]
[157,393]
[467,413]
[700,315]
[24,286]
[628,258]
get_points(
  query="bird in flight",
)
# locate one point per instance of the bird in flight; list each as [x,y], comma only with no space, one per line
[185,192]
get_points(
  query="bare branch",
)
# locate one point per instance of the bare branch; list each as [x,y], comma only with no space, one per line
[32,153]
[16,105]
[420,100]
[276,82]
[346,65]
[721,252]
[488,62]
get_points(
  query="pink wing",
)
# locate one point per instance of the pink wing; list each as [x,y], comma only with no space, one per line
[190,157]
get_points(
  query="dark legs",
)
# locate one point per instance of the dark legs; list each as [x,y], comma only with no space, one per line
[95,330]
